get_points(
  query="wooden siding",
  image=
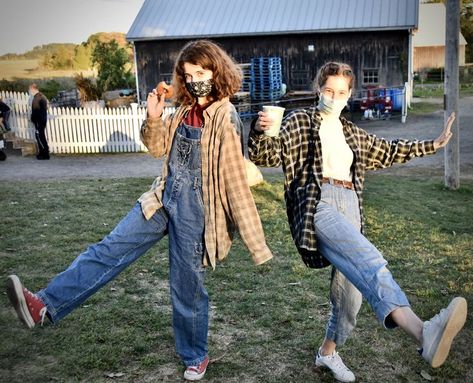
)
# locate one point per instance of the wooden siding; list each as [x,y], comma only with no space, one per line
[433,57]
[386,51]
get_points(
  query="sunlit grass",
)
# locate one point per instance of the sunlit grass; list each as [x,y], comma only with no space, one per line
[266,322]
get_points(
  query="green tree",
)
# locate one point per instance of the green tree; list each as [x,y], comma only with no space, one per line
[63,58]
[57,56]
[111,62]
[82,57]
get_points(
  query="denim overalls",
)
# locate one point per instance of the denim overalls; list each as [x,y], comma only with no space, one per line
[183,203]
[183,218]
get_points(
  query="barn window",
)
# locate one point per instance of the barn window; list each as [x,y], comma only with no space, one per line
[370,76]
[300,79]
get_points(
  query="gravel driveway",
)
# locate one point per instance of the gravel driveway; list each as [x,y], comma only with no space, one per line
[143,165]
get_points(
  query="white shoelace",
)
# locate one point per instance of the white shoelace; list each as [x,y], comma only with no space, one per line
[43,313]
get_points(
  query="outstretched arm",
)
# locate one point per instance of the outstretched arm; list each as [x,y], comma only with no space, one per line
[382,153]
[446,134]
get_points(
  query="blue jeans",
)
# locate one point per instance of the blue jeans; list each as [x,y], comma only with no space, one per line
[103,261]
[183,218]
[339,239]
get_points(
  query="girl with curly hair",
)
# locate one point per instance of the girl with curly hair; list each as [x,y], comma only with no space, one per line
[200,197]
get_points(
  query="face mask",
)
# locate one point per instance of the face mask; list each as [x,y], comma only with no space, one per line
[330,106]
[200,88]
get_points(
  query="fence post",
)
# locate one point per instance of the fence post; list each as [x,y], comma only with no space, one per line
[136,123]
[404,103]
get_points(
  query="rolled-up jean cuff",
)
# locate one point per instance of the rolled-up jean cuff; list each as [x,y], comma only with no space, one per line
[51,312]
[195,362]
[384,309]
[337,338]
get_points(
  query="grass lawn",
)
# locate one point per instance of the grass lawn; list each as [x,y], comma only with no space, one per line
[424,107]
[266,322]
[466,89]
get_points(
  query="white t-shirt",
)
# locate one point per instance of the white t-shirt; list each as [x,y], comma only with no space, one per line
[337,156]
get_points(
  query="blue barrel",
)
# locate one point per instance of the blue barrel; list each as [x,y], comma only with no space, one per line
[396,97]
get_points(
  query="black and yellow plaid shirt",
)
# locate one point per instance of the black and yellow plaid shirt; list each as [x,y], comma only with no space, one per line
[298,150]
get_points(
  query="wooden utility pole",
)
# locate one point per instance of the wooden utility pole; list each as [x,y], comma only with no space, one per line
[452,150]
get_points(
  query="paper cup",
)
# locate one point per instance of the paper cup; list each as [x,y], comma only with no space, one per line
[275,113]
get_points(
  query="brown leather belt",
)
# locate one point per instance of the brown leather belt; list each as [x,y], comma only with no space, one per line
[340,183]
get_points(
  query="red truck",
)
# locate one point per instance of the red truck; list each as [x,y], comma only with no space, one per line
[376,102]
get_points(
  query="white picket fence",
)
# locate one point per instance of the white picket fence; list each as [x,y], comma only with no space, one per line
[81,130]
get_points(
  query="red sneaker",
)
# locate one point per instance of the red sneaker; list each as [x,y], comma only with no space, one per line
[29,307]
[196,372]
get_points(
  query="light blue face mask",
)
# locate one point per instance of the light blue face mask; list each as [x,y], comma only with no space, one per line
[329,106]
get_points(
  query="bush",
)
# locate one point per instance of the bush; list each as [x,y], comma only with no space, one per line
[49,88]
[87,88]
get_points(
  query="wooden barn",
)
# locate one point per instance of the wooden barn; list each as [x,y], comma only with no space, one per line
[429,40]
[374,36]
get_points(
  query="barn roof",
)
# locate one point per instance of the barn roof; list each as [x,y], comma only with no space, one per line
[175,19]
[431,31]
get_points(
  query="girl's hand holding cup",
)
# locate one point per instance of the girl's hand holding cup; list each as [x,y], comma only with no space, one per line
[264,122]
[269,120]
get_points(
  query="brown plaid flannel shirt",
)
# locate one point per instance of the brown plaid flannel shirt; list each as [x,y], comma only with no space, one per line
[298,150]
[228,201]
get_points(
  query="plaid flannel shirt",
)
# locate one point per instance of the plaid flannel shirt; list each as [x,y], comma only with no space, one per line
[298,150]
[227,198]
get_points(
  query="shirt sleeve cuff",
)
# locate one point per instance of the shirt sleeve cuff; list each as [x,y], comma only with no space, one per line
[429,147]
[262,257]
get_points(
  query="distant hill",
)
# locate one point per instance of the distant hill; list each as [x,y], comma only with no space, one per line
[41,51]
[38,51]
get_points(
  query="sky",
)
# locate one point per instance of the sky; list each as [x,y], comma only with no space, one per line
[28,23]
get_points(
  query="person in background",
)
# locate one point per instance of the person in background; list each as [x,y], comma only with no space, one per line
[5,114]
[39,117]
[201,196]
[324,158]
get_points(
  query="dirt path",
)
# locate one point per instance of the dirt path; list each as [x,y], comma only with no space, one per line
[143,165]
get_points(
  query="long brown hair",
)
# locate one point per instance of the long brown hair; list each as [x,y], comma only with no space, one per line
[333,69]
[226,76]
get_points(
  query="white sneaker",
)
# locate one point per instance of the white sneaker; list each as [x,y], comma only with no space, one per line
[438,333]
[335,364]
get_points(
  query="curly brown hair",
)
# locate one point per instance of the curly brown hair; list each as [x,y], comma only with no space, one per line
[333,69]
[227,75]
